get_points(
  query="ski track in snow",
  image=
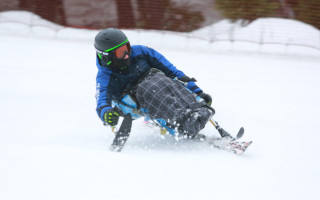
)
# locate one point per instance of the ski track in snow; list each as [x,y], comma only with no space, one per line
[53,146]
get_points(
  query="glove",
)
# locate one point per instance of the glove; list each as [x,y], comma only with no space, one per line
[206,97]
[111,117]
[187,79]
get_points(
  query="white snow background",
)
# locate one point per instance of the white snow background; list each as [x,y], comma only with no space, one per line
[53,145]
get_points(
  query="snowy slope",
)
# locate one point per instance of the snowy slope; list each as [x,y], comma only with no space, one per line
[53,146]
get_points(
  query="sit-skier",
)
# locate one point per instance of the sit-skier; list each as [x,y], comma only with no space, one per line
[147,76]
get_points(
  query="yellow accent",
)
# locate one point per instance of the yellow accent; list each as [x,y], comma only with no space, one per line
[213,123]
[163,131]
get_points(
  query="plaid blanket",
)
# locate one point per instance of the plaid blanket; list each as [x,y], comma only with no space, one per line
[170,100]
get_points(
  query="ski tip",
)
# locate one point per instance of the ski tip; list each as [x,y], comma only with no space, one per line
[240,133]
[243,148]
[247,144]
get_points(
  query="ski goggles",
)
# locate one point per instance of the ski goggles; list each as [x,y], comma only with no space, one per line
[119,53]
[103,55]
[122,51]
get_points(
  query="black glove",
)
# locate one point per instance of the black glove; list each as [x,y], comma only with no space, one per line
[111,117]
[206,97]
[187,79]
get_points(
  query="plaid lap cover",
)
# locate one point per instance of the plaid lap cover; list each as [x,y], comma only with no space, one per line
[163,97]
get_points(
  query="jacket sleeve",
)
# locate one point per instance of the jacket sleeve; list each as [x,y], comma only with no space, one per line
[103,92]
[158,61]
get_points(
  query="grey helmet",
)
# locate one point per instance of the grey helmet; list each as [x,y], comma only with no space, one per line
[106,42]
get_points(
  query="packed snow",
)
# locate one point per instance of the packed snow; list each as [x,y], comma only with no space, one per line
[54,146]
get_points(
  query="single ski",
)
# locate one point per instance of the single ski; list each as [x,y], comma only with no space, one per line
[234,146]
[122,135]
[226,142]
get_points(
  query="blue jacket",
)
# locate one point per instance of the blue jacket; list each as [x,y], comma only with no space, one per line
[113,84]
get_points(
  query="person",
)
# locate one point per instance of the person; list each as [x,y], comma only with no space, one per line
[148,77]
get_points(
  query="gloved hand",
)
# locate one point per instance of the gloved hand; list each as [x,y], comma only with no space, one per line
[206,97]
[111,117]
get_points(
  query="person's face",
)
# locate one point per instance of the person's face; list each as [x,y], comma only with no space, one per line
[122,52]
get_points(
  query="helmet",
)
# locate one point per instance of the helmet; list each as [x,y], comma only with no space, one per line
[106,42]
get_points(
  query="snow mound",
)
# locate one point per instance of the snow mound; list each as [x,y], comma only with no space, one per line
[29,24]
[266,35]
[263,30]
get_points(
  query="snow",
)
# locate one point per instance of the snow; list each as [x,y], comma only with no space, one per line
[263,30]
[53,146]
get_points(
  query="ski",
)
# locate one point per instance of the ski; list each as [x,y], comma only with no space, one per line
[122,135]
[234,146]
[226,142]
